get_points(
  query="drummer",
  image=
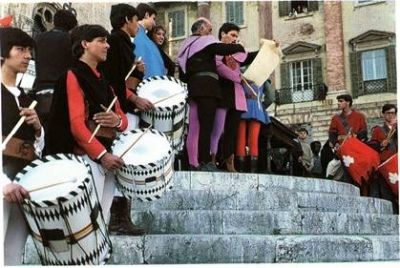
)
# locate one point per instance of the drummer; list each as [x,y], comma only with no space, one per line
[384,141]
[120,59]
[81,97]
[384,137]
[24,146]
[346,121]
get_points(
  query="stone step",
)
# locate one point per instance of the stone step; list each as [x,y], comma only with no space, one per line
[234,222]
[206,249]
[273,198]
[187,180]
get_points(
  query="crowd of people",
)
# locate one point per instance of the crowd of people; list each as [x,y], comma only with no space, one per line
[82,69]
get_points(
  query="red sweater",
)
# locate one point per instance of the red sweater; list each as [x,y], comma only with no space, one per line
[355,120]
[78,114]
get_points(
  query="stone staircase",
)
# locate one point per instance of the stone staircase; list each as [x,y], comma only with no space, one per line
[257,218]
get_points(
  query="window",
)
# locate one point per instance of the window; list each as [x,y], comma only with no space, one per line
[301,74]
[373,63]
[177,19]
[288,7]
[234,12]
[302,80]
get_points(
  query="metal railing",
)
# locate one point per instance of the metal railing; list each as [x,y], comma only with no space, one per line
[373,86]
[304,94]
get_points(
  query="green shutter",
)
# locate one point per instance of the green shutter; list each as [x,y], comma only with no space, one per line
[391,68]
[318,81]
[284,8]
[285,94]
[356,75]
[312,5]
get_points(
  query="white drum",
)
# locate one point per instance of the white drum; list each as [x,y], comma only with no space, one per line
[168,95]
[148,168]
[65,220]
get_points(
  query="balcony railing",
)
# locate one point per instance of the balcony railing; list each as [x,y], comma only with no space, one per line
[296,95]
[374,86]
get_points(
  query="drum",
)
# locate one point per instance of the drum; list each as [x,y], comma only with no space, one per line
[168,95]
[65,220]
[359,159]
[147,171]
[390,172]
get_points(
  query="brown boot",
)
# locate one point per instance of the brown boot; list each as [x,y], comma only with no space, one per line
[120,222]
[230,164]
[214,160]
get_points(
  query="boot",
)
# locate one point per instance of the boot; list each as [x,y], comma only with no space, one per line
[214,160]
[230,165]
[253,164]
[120,222]
[241,163]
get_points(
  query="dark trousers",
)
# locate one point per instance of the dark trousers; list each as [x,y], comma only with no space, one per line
[206,107]
[228,140]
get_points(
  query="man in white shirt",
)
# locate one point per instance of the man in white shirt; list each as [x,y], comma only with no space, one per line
[25,145]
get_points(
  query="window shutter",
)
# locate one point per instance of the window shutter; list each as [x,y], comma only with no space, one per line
[312,5]
[284,8]
[391,68]
[356,75]
[285,94]
[319,93]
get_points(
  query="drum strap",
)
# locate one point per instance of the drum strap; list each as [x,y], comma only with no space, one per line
[20,149]
[104,132]
[344,122]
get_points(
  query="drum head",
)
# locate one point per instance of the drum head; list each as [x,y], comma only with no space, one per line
[52,171]
[149,147]
[158,88]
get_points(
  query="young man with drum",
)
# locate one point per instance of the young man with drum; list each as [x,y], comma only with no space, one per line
[79,106]
[120,59]
[384,141]
[25,145]
[346,122]
[198,68]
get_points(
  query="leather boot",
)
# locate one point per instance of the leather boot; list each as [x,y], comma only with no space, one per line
[120,222]
[230,165]
[241,160]
[253,164]
[214,160]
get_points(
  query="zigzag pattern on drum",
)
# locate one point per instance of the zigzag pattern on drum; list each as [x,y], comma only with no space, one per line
[92,258]
[166,113]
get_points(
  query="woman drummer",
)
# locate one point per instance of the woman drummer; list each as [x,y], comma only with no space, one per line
[82,101]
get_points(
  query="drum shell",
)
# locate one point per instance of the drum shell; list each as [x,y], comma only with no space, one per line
[146,181]
[167,117]
[68,230]
[359,159]
[390,172]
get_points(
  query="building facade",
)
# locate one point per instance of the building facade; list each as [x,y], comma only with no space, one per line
[329,47]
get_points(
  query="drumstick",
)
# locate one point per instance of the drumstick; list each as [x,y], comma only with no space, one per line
[50,185]
[133,144]
[17,126]
[132,69]
[166,98]
[248,85]
[98,126]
